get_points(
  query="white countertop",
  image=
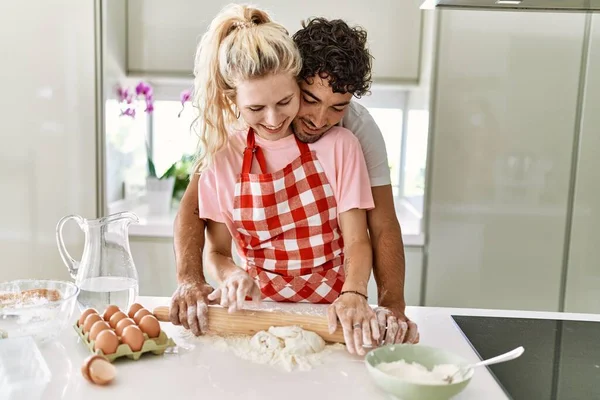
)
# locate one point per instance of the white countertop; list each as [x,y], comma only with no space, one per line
[201,371]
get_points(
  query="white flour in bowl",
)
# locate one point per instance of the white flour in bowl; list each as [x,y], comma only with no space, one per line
[417,373]
[289,347]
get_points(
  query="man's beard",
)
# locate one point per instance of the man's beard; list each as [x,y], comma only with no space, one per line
[304,137]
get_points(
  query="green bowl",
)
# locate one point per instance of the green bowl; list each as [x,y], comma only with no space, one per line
[424,355]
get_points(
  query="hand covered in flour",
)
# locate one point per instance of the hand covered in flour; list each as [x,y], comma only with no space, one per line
[358,321]
[395,326]
[234,290]
[189,306]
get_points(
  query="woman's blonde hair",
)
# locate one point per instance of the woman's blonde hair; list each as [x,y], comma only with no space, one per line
[242,42]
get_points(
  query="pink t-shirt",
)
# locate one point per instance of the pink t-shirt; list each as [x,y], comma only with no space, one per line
[338,151]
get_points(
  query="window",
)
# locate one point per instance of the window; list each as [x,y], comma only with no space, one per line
[404,130]
[165,134]
[172,136]
[389,121]
[414,169]
[126,165]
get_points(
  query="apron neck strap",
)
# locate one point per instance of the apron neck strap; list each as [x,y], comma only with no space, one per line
[252,148]
[303,147]
[249,151]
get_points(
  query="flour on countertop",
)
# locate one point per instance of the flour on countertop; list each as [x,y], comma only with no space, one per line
[288,347]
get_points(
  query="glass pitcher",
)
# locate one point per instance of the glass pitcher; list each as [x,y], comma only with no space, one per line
[106,273]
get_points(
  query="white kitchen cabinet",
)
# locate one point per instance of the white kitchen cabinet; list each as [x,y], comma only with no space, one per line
[501,151]
[155,262]
[48,152]
[162,36]
[583,273]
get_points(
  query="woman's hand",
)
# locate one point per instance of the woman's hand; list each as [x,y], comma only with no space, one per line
[358,321]
[234,290]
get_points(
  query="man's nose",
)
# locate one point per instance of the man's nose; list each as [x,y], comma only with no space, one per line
[319,119]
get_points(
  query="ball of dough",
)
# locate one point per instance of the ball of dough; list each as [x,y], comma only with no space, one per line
[298,341]
[265,341]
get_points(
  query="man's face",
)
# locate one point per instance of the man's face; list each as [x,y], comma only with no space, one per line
[320,109]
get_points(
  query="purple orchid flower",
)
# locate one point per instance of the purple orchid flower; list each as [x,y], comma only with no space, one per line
[131,97]
[130,112]
[122,93]
[149,105]
[143,89]
[184,98]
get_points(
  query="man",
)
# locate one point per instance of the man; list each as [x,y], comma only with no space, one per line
[337,67]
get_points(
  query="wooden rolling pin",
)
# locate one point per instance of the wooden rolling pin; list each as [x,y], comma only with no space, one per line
[248,322]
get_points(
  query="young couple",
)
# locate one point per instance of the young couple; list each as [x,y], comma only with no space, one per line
[293,172]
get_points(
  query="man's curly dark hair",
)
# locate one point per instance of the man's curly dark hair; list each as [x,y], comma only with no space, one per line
[332,49]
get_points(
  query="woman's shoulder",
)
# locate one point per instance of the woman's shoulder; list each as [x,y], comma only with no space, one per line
[233,148]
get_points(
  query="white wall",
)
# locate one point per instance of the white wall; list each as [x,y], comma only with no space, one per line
[583,278]
[163,35]
[503,132]
[47,109]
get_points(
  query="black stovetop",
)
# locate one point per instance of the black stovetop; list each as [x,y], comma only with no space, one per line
[561,359]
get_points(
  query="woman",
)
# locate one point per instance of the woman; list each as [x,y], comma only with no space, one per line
[296,212]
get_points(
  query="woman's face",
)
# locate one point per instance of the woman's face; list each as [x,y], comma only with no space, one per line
[269,104]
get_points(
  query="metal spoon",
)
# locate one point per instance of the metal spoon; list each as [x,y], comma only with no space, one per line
[511,355]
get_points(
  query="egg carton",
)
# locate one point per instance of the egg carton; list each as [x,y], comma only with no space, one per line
[155,346]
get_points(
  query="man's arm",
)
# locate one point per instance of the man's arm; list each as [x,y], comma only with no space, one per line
[188,236]
[388,249]
[389,266]
[189,303]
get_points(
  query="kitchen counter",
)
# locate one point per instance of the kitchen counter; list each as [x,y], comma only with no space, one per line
[198,370]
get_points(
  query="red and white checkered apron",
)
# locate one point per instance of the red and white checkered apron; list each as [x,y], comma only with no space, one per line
[287,228]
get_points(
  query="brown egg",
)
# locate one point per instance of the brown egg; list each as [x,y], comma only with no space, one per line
[89,321]
[116,317]
[133,336]
[135,307]
[122,324]
[109,312]
[98,327]
[97,369]
[140,314]
[150,326]
[107,341]
[84,315]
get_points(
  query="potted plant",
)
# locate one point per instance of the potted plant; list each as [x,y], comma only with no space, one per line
[169,186]
[159,190]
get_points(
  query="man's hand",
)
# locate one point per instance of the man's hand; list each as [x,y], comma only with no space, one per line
[234,290]
[397,327]
[189,307]
[358,321]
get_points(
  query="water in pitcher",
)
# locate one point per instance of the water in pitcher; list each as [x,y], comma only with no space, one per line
[99,292]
